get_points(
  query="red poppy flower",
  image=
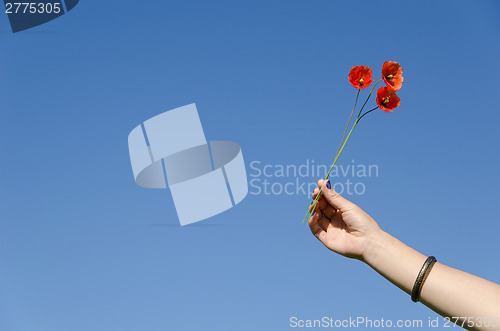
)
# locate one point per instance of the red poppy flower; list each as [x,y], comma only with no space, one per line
[387,99]
[360,77]
[392,73]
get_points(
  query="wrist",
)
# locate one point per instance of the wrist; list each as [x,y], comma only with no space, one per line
[394,260]
[377,242]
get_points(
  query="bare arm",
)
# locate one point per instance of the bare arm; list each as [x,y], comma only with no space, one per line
[346,229]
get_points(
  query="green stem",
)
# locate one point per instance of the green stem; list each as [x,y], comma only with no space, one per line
[340,146]
[348,122]
[369,95]
[367,112]
[335,161]
[329,171]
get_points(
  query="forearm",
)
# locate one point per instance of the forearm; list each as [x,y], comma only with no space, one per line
[447,291]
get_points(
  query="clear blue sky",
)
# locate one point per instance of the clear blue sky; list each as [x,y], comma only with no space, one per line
[82,247]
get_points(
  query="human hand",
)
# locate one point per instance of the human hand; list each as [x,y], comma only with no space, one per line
[340,225]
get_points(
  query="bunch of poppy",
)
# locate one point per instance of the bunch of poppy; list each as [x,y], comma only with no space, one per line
[392,74]
[361,77]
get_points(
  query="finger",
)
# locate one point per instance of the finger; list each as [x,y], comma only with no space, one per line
[335,199]
[320,182]
[311,206]
[313,223]
[326,209]
[314,206]
[322,203]
[324,206]
[316,230]
[315,193]
[323,222]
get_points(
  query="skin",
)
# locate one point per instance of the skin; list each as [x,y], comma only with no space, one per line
[346,229]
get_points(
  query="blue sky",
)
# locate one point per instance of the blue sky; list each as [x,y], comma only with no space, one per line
[82,247]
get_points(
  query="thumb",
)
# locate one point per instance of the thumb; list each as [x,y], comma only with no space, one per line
[335,199]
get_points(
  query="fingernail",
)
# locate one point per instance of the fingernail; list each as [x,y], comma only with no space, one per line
[313,214]
[328,185]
